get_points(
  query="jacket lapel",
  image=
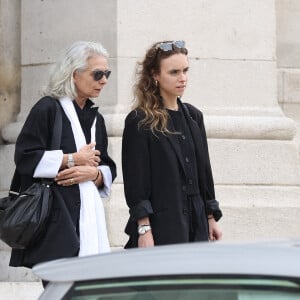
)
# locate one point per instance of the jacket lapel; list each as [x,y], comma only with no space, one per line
[194,131]
[194,127]
[197,139]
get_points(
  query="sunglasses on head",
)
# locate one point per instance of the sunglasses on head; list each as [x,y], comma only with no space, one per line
[98,74]
[169,46]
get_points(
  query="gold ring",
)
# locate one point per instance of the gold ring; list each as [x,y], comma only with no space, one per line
[71,181]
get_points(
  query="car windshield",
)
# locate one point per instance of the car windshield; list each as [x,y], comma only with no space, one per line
[187,288]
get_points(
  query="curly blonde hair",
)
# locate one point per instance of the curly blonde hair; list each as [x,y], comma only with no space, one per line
[146,92]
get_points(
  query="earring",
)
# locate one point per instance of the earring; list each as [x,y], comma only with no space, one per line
[156,82]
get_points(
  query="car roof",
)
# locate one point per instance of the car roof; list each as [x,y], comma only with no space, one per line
[277,258]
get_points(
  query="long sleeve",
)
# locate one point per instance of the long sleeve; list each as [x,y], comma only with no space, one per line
[35,136]
[212,204]
[49,164]
[136,168]
[106,160]
[107,181]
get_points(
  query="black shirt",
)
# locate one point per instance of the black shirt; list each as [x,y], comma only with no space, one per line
[86,117]
[187,148]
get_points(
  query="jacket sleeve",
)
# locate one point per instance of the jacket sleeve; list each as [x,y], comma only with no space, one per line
[212,204]
[136,167]
[35,136]
[102,145]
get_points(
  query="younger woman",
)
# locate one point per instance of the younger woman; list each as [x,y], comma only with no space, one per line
[166,169]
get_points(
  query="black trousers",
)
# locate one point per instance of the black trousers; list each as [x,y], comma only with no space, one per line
[198,219]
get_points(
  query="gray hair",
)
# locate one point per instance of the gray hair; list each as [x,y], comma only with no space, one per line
[74,58]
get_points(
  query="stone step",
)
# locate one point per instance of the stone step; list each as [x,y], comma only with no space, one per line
[20,290]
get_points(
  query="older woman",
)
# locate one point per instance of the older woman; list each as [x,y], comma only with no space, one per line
[166,169]
[82,168]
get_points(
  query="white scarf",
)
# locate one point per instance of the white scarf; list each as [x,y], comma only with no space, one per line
[92,224]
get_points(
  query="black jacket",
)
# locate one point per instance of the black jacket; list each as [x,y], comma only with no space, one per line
[61,237]
[155,182]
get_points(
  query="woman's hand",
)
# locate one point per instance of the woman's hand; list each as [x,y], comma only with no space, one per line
[76,175]
[87,156]
[146,240]
[215,233]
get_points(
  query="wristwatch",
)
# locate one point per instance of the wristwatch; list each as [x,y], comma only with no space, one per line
[71,162]
[142,229]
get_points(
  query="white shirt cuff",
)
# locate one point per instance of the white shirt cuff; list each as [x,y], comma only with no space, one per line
[49,164]
[107,181]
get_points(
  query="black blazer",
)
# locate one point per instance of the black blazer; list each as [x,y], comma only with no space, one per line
[61,237]
[155,181]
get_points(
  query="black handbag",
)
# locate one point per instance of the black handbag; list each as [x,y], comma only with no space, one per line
[23,216]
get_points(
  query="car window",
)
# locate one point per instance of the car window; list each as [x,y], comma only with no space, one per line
[187,289]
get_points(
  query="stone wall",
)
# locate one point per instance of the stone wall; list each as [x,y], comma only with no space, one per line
[10,58]
[233,80]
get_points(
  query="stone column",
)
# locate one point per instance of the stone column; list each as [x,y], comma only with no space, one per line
[10,83]
[10,78]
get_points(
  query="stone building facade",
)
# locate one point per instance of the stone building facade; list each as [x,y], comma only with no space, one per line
[244,76]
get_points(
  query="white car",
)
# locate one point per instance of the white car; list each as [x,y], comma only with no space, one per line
[198,271]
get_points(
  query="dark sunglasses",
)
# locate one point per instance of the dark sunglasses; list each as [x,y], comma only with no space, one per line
[169,46]
[98,74]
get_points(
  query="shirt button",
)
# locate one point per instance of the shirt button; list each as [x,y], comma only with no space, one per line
[185,211]
[187,159]
[183,137]
[184,188]
[190,181]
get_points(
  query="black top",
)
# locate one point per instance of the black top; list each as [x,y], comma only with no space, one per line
[187,148]
[86,117]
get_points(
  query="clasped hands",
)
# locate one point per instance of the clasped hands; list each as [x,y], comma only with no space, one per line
[86,160]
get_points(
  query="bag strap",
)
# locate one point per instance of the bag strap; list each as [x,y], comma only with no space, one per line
[57,130]
[55,144]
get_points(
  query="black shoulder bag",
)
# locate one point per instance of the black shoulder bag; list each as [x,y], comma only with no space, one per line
[23,216]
